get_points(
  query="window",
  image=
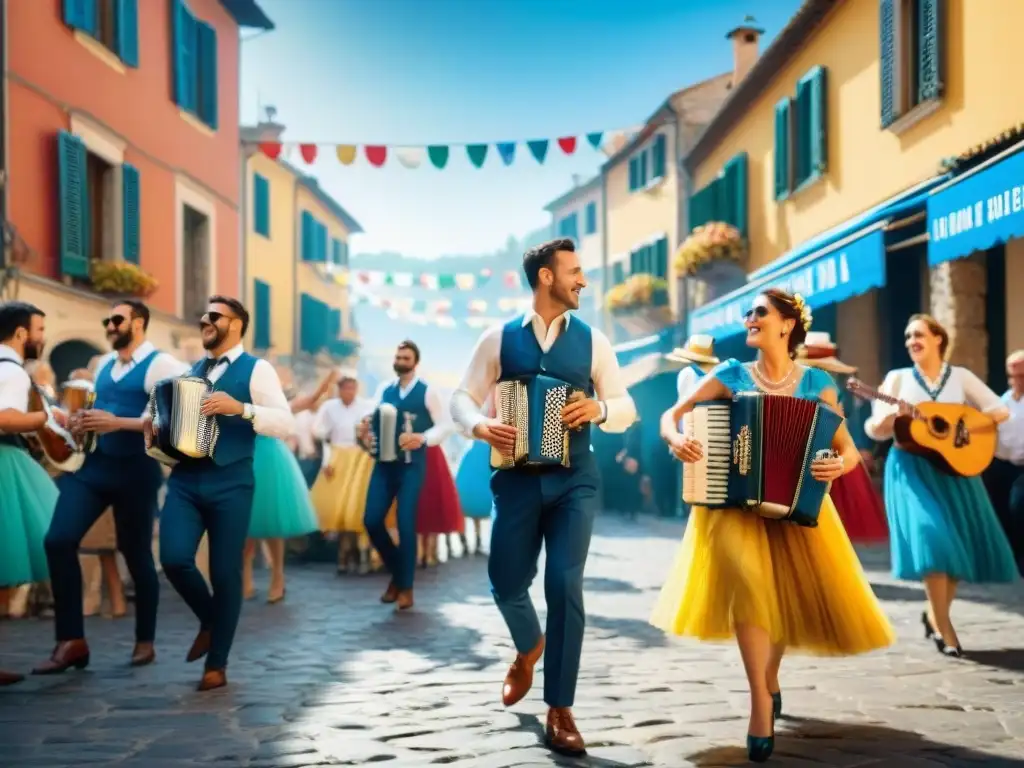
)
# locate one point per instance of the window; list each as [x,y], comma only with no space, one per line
[658,157]
[261,315]
[590,216]
[724,199]
[912,50]
[569,227]
[314,239]
[195,65]
[660,266]
[801,132]
[339,252]
[314,324]
[618,273]
[112,23]
[196,262]
[648,165]
[261,205]
[638,171]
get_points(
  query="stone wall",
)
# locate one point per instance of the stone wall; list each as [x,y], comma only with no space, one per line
[958,302]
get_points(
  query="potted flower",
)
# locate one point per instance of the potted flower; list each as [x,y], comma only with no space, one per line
[121,278]
[708,244]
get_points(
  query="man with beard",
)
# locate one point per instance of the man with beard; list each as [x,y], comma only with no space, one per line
[215,495]
[117,474]
[27,494]
[550,504]
[421,407]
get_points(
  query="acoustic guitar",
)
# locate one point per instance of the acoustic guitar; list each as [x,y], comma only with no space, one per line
[957,439]
[52,443]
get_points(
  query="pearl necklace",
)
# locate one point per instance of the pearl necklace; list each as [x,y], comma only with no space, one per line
[768,384]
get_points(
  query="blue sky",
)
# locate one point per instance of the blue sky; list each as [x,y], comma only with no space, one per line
[416,72]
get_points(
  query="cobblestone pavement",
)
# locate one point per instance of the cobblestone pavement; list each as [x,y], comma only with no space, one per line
[331,677]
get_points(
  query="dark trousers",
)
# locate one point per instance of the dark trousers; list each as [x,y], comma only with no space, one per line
[557,508]
[390,481]
[130,486]
[1005,484]
[217,501]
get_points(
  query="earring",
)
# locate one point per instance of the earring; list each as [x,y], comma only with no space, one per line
[782,335]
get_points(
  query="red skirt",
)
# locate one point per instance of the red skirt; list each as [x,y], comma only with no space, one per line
[860,507]
[439,510]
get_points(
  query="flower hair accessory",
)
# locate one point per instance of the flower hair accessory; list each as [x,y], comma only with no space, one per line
[800,305]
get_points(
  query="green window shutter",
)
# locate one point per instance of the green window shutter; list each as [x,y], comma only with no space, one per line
[641,164]
[308,236]
[206,45]
[734,193]
[633,175]
[81,14]
[126,30]
[818,120]
[618,273]
[591,215]
[74,206]
[887,61]
[634,265]
[261,324]
[802,144]
[658,157]
[929,50]
[661,258]
[335,250]
[131,218]
[783,183]
[334,329]
[261,205]
[344,253]
[322,254]
[185,56]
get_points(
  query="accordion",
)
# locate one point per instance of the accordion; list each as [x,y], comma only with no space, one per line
[534,407]
[384,433]
[758,451]
[180,431]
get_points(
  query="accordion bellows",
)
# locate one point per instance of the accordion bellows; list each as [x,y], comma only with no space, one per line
[180,431]
[534,407]
[758,451]
[384,433]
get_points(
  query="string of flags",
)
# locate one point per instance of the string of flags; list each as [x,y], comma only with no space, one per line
[403,306]
[434,281]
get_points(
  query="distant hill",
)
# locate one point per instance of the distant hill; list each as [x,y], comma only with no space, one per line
[509,257]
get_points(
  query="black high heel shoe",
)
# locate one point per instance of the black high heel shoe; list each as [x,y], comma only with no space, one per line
[760,748]
[951,651]
[929,630]
[777,705]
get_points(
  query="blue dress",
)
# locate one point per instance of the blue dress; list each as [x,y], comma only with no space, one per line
[281,508]
[27,499]
[473,481]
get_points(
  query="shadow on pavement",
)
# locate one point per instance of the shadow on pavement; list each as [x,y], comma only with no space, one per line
[1006,596]
[533,724]
[1010,659]
[634,629]
[598,584]
[801,739]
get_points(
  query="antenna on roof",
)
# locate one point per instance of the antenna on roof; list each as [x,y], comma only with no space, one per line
[270,112]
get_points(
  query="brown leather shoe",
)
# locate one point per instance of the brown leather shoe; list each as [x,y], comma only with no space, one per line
[212,679]
[390,594]
[67,654]
[519,679]
[405,601]
[562,736]
[143,655]
[10,678]
[200,646]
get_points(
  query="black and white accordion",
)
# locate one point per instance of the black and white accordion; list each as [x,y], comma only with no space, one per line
[384,433]
[534,407]
[758,451]
[180,431]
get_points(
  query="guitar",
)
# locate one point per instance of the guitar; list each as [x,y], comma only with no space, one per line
[957,439]
[53,443]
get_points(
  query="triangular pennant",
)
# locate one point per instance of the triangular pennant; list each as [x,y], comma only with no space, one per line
[567,144]
[507,150]
[308,152]
[376,155]
[539,149]
[410,157]
[477,154]
[271,149]
[438,155]
[346,154]
[446,281]
[594,139]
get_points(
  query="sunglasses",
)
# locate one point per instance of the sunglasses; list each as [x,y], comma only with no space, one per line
[116,320]
[759,312]
[212,318]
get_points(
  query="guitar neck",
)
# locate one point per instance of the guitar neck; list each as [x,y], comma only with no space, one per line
[870,393]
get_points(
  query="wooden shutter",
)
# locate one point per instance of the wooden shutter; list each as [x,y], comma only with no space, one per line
[733,185]
[334,329]
[261,326]
[206,44]
[261,205]
[321,254]
[185,56]
[126,29]
[783,170]
[591,218]
[641,164]
[344,253]
[929,50]
[308,236]
[74,206]
[802,144]
[703,205]
[81,14]
[818,120]
[131,213]
[658,157]
[887,61]
[618,273]
[335,250]
[661,258]
[633,174]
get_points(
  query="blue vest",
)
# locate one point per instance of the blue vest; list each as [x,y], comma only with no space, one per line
[570,359]
[125,398]
[414,403]
[237,439]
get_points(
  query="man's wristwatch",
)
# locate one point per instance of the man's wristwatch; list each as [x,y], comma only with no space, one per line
[247,412]
[604,412]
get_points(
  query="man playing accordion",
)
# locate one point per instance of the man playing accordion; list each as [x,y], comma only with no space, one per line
[554,377]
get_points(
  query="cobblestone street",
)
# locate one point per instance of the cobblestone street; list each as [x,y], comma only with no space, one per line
[331,677]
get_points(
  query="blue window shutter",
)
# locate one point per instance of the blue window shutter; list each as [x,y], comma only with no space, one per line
[307,236]
[802,145]
[633,174]
[74,206]
[344,253]
[783,171]
[206,45]
[591,213]
[733,193]
[335,250]
[321,243]
[661,258]
[81,14]
[931,35]
[633,267]
[261,205]
[818,120]
[659,156]
[126,27]
[261,326]
[887,61]
[130,194]
[185,56]
[641,164]
[334,329]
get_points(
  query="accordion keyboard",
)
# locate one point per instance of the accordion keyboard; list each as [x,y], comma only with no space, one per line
[707,481]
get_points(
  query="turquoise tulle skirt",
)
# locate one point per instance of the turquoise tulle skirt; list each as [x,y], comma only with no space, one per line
[280,507]
[939,523]
[27,499]
[473,481]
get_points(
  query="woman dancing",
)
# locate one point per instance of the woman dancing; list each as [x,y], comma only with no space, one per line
[942,527]
[772,585]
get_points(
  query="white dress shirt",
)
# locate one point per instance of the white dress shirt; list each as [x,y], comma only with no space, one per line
[15,383]
[1011,432]
[336,423]
[686,384]
[164,366]
[442,423]
[485,370]
[272,414]
[304,437]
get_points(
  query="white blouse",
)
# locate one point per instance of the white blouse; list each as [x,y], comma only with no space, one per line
[336,422]
[962,386]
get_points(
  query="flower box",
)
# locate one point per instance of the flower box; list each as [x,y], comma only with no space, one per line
[121,278]
[708,244]
[637,291]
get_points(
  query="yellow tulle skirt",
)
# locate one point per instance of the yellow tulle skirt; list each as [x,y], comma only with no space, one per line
[340,500]
[804,586]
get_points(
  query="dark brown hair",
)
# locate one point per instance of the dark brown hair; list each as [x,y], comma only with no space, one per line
[236,306]
[411,346]
[786,305]
[543,255]
[936,328]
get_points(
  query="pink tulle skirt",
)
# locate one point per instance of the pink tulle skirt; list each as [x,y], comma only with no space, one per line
[860,507]
[439,509]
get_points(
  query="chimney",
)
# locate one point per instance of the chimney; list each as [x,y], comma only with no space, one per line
[745,39]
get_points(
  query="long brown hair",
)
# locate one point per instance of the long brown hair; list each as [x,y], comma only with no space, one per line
[936,328]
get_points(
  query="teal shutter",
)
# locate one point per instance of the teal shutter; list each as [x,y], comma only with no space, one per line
[702,205]
[126,29]
[802,144]
[658,157]
[321,243]
[261,326]
[887,60]
[633,174]
[261,205]
[618,273]
[929,50]
[344,253]
[783,113]
[661,258]
[334,327]
[81,14]
[335,250]
[206,44]
[185,56]
[130,195]
[74,206]
[733,193]
[305,323]
[591,215]
[307,237]
[641,165]
[818,120]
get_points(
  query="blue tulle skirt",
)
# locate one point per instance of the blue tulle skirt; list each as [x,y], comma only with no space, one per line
[473,481]
[281,508]
[27,499]
[939,523]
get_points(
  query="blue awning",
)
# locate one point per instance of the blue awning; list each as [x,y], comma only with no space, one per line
[657,343]
[978,210]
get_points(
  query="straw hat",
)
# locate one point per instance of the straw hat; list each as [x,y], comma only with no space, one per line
[699,349]
[819,351]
